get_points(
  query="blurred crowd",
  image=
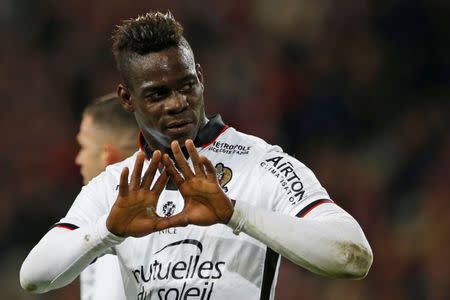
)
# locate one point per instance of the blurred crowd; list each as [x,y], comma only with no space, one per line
[358,90]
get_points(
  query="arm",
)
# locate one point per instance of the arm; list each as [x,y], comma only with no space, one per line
[61,255]
[328,241]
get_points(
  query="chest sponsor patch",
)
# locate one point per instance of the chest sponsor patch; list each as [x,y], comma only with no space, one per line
[191,277]
[282,169]
[225,148]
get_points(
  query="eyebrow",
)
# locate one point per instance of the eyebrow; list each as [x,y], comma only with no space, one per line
[150,86]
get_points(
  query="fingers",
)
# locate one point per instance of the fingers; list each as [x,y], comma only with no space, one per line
[155,223]
[161,183]
[181,160]
[210,170]
[123,184]
[177,220]
[198,167]
[172,171]
[151,170]
[137,170]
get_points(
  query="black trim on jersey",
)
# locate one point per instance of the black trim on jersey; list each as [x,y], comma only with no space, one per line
[310,206]
[210,132]
[270,266]
[65,225]
[186,241]
[70,227]
[205,135]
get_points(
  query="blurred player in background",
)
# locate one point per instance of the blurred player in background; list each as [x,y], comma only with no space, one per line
[108,134]
[180,239]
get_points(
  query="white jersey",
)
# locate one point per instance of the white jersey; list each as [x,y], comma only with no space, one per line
[102,280]
[209,262]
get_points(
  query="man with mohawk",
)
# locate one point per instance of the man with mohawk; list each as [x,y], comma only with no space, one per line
[179,231]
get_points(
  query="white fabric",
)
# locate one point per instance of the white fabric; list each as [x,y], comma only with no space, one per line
[193,261]
[102,280]
[323,242]
[61,255]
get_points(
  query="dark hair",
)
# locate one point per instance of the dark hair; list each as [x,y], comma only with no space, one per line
[108,114]
[148,33]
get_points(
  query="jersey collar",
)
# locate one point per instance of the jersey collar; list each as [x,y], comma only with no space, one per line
[205,137]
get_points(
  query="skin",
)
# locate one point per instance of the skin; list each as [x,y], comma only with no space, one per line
[166,97]
[96,150]
[89,157]
[205,202]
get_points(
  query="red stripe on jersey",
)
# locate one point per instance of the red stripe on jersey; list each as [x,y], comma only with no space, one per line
[65,225]
[311,206]
[225,127]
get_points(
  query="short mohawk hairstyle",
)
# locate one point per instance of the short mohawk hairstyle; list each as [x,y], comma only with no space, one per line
[151,32]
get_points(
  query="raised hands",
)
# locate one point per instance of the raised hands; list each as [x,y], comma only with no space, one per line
[204,201]
[134,212]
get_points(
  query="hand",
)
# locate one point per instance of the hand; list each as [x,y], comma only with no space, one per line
[204,201]
[134,212]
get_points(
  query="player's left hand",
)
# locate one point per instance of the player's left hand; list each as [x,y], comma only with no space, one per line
[205,202]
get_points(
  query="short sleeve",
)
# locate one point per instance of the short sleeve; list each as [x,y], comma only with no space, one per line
[287,184]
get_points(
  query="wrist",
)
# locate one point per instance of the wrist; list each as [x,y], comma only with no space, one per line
[104,233]
[228,211]
[239,217]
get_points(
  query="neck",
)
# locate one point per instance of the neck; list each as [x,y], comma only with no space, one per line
[208,131]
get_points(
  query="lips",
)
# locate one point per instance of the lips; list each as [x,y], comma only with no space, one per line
[179,127]
[177,124]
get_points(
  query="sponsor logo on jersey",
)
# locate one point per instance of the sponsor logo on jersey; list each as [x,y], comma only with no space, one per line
[283,170]
[204,272]
[225,148]
[224,175]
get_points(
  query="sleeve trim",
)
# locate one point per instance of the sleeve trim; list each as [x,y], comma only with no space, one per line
[65,225]
[311,206]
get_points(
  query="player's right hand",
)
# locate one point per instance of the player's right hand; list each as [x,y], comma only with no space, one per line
[133,213]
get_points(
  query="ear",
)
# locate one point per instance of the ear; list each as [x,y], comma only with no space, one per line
[125,98]
[110,155]
[199,71]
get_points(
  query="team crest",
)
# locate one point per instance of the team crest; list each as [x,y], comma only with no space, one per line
[168,209]
[224,175]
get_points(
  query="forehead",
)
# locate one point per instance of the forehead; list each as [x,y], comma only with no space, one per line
[86,122]
[88,131]
[163,66]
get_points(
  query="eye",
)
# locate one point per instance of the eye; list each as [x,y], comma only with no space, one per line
[187,87]
[157,94]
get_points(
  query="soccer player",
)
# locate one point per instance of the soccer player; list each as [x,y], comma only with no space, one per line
[203,211]
[107,135]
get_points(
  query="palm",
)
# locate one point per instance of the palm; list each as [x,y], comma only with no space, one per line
[205,202]
[133,212]
[199,196]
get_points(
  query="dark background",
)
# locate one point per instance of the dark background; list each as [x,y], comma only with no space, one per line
[358,90]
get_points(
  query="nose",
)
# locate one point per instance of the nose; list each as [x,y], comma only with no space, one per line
[176,103]
[78,159]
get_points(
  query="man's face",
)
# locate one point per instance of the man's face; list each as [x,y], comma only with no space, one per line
[166,96]
[89,158]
